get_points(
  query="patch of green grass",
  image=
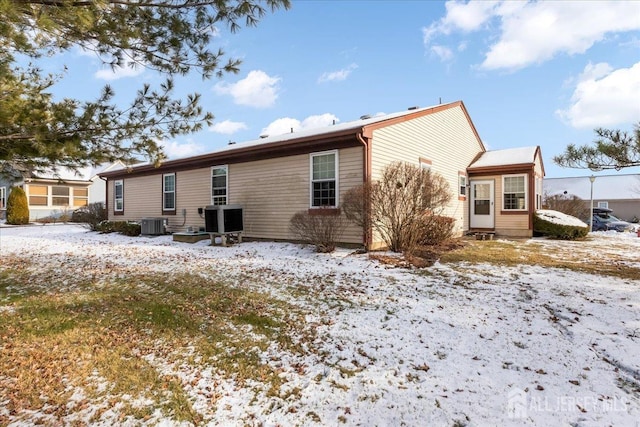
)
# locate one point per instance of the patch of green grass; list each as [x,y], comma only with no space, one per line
[514,253]
[261,324]
[128,334]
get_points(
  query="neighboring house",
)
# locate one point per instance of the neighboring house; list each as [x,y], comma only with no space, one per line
[621,193]
[276,176]
[65,191]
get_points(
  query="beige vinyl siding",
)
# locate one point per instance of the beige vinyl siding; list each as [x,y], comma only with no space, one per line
[270,192]
[351,175]
[193,191]
[445,138]
[508,224]
[142,198]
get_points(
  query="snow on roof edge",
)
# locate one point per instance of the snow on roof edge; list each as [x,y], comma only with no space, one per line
[507,156]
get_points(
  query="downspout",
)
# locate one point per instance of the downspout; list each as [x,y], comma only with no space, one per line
[532,196]
[106,194]
[366,179]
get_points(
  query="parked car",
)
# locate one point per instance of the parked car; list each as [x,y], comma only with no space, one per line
[603,220]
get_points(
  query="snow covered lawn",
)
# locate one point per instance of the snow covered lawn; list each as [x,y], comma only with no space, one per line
[459,343]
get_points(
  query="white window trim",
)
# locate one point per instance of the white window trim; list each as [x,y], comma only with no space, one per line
[73,197]
[3,197]
[460,186]
[226,169]
[164,192]
[526,192]
[337,171]
[539,184]
[49,203]
[115,200]
[604,205]
[69,197]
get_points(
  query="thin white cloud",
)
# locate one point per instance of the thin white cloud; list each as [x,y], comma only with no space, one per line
[444,53]
[604,97]
[533,32]
[227,127]
[337,76]
[174,149]
[257,90]
[129,69]
[465,17]
[319,120]
[285,124]
[118,72]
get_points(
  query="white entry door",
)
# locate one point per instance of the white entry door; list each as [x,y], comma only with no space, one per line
[481,205]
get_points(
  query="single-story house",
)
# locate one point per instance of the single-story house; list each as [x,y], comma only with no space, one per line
[52,194]
[276,176]
[621,193]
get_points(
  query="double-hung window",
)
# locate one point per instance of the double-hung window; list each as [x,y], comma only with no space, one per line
[38,195]
[219,187]
[118,196]
[169,192]
[3,197]
[514,192]
[80,197]
[462,186]
[324,179]
[60,195]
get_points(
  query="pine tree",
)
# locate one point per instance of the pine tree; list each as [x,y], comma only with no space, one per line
[614,149]
[171,37]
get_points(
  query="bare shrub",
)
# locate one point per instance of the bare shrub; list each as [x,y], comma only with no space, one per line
[92,215]
[323,228]
[355,204]
[435,229]
[400,206]
[568,204]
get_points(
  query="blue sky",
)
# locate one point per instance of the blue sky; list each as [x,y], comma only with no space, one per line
[530,73]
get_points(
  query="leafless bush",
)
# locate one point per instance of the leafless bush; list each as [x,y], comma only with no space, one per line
[323,228]
[400,206]
[355,204]
[92,215]
[568,204]
[435,229]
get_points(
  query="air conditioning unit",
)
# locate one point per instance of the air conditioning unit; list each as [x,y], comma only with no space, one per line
[152,226]
[223,219]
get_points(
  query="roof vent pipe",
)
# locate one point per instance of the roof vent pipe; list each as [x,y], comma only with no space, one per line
[291,130]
